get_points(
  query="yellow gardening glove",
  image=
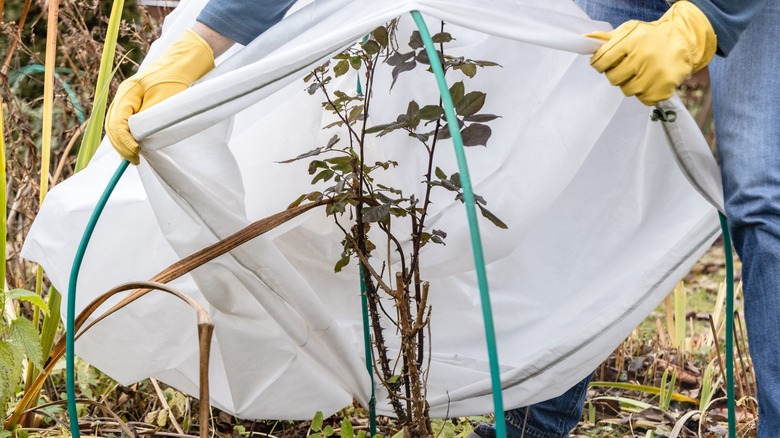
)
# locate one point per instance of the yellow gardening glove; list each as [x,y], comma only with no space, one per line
[650,59]
[182,64]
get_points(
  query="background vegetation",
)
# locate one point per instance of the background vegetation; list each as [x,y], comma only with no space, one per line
[664,380]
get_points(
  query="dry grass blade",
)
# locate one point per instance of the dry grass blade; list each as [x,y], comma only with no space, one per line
[205,331]
[678,427]
[125,428]
[3,188]
[46,140]
[66,153]
[165,405]
[48,95]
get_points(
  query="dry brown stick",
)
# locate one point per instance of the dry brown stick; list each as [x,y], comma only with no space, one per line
[166,406]
[744,356]
[721,364]
[205,331]
[747,368]
[15,41]
[64,158]
[191,262]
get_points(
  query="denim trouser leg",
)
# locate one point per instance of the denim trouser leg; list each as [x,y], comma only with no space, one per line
[746,98]
[553,418]
[746,91]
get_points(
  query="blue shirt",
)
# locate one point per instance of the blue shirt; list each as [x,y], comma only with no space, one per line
[729,18]
[243,20]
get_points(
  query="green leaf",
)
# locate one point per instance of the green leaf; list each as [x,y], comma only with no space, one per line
[398,58]
[316,422]
[381,36]
[442,37]
[328,431]
[415,41]
[398,212]
[325,175]
[371,47]
[422,57]
[471,103]
[400,68]
[332,142]
[476,134]
[457,90]
[439,233]
[10,369]
[297,202]
[311,153]
[491,217]
[355,113]
[422,137]
[412,109]
[344,261]
[341,67]
[455,178]
[440,173]
[311,89]
[469,70]
[29,296]
[51,322]
[431,112]
[25,337]
[317,164]
[486,63]
[376,213]
[346,429]
[93,133]
[355,62]
[481,118]
[5,433]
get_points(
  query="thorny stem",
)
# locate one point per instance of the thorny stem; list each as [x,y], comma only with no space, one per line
[371,292]
[419,226]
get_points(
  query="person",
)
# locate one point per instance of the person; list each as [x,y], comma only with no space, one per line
[218,26]
[653,48]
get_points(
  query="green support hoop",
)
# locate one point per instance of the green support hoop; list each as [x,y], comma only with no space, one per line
[471,212]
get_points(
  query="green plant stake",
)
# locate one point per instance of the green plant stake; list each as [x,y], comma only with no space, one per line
[70,335]
[367,347]
[471,212]
[724,225]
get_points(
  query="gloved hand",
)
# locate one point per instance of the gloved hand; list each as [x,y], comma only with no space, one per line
[182,64]
[650,59]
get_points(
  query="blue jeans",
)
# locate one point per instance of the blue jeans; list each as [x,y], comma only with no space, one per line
[746,103]
[553,418]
